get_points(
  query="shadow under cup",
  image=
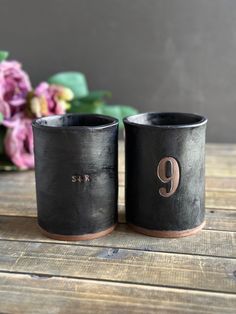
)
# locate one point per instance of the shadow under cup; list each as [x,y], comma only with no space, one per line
[165,173]
[76,161]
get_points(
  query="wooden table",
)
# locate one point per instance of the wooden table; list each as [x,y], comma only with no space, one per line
[123,272]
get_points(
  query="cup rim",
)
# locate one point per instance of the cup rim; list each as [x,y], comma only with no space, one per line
[111,122]
[202,120]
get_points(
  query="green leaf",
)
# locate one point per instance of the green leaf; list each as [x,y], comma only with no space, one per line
[89,103]
[76,81]
[1,117]
[119,112]
[74,104]
[77,107]
[93,96]
[3,55]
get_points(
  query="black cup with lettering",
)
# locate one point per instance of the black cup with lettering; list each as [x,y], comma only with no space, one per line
[76,175]
[165,173]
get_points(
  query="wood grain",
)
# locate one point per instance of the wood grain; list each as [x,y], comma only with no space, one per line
[219,149]
[223,184]
[206,242]
[221,199]
[122,265]
[19,293]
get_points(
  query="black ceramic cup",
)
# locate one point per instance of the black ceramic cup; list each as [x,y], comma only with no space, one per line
[76,175]
[165,173]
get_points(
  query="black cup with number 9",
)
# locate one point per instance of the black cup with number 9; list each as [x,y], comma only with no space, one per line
[165,173]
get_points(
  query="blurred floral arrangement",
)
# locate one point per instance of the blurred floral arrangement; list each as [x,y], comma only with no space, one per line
[20,103]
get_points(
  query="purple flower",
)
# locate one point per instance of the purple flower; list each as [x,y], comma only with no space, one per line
[18,142]
[14,87]
[50,99]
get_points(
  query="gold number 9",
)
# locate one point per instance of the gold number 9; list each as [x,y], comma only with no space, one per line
[173,178]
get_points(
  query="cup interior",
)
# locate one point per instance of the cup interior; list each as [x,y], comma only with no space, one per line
[166,119]
[76,120]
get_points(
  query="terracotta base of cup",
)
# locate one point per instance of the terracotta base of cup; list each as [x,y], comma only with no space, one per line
[88,236]
[167,234]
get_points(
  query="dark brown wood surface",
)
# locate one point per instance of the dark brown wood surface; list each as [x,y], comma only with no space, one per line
[124,272]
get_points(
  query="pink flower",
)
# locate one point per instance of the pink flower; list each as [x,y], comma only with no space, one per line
[14,87]
[50,99]
[19,142]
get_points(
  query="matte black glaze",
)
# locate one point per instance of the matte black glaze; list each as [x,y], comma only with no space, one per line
[76,173]
[150,137]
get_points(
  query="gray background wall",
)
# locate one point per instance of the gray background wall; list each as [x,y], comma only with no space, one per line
[153,54]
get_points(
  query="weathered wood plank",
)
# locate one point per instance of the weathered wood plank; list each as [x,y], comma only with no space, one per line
[216,219]
[221,172]
[214,199]
[220,160]
[23,203]
[210,243]
[220,219]
[221,199]
[19,180]
[221,149]
[123,256]
[18,205]
[34,294]
[17,192]
[129,266]
[221,184]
